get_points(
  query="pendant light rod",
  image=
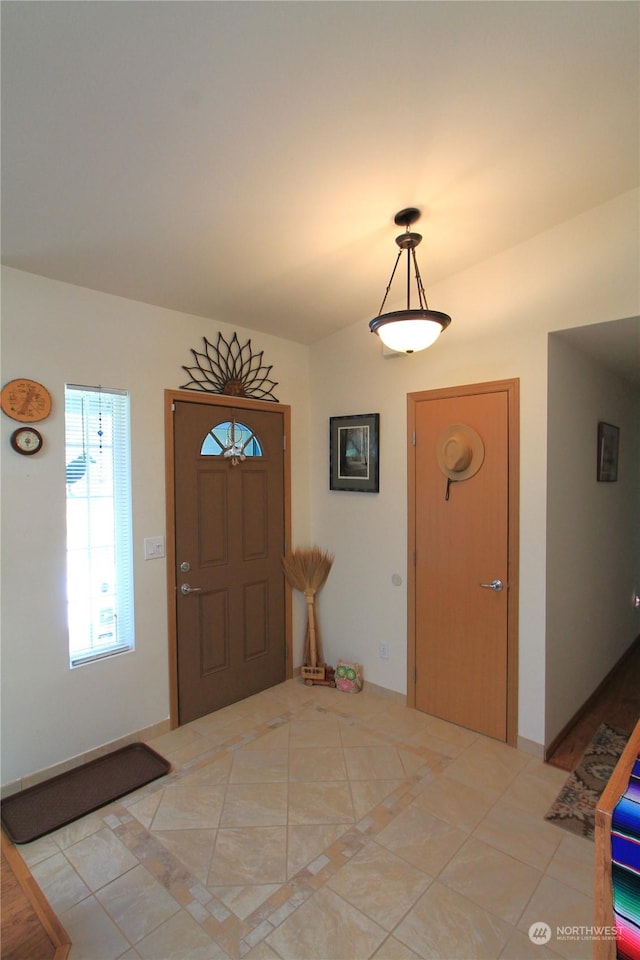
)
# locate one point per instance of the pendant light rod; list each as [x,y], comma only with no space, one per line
[409,279]
[393,273]
[422,297]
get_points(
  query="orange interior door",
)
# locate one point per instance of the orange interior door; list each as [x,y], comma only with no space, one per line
[461,543]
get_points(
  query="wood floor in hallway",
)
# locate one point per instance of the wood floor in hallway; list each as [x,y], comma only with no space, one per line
[616,702]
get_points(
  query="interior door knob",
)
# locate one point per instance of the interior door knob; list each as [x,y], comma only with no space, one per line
[495,585]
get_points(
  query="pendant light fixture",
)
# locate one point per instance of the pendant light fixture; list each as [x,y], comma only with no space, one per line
[412,329]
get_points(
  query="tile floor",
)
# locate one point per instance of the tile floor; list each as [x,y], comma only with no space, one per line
[308,823]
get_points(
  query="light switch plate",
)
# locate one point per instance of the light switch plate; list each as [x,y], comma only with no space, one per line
[153,548]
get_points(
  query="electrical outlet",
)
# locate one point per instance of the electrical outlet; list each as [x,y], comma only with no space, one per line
[384,651]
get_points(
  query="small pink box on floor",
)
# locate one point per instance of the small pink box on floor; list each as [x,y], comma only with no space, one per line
[349,677]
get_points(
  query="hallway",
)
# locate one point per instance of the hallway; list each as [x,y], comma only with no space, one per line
[616,703]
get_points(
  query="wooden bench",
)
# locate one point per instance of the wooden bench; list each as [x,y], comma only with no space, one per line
[30,928]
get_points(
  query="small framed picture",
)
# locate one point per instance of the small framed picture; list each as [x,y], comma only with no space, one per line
[608,438]
[354,453]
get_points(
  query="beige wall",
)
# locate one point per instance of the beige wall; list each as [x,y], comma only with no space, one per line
[57,333]
[582,272]
[593,529]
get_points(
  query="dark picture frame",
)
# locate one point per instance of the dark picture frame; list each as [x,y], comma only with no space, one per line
[608,442]
[354,459]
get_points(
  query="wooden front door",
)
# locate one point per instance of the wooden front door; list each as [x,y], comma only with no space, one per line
[230,528]
[463,595]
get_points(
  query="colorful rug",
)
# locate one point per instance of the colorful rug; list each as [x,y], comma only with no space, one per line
[575,806]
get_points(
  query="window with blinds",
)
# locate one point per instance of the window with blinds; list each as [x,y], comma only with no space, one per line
[99,537]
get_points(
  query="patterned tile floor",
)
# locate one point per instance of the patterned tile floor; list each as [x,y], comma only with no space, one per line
[307,823]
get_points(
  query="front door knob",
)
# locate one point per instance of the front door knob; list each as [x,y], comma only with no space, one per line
[186,589]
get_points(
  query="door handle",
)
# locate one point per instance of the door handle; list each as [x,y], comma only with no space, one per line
[495,585]
[186,589]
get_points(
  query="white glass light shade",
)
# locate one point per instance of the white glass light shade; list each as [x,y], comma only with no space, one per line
[409,334]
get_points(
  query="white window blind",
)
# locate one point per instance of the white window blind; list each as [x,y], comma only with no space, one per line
[99,537]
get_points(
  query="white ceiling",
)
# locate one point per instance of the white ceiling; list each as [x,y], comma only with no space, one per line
[243,160]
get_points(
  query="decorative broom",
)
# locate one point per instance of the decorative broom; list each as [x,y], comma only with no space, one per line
[307,570]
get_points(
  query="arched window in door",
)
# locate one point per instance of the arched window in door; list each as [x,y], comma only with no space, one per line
[232,440]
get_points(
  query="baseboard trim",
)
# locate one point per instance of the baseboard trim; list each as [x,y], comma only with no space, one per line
[399,698]
[31,779]
[531,747]
[557,740]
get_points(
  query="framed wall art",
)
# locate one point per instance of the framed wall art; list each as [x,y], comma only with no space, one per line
[608,439]
[354,462]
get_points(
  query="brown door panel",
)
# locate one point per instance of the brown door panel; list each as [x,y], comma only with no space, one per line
[229,522]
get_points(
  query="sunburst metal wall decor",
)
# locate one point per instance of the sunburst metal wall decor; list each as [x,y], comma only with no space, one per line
[231,369]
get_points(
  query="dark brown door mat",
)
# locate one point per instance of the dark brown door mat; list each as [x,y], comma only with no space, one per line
[53,803]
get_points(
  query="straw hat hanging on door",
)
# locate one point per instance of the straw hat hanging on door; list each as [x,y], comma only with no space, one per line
[459,452]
